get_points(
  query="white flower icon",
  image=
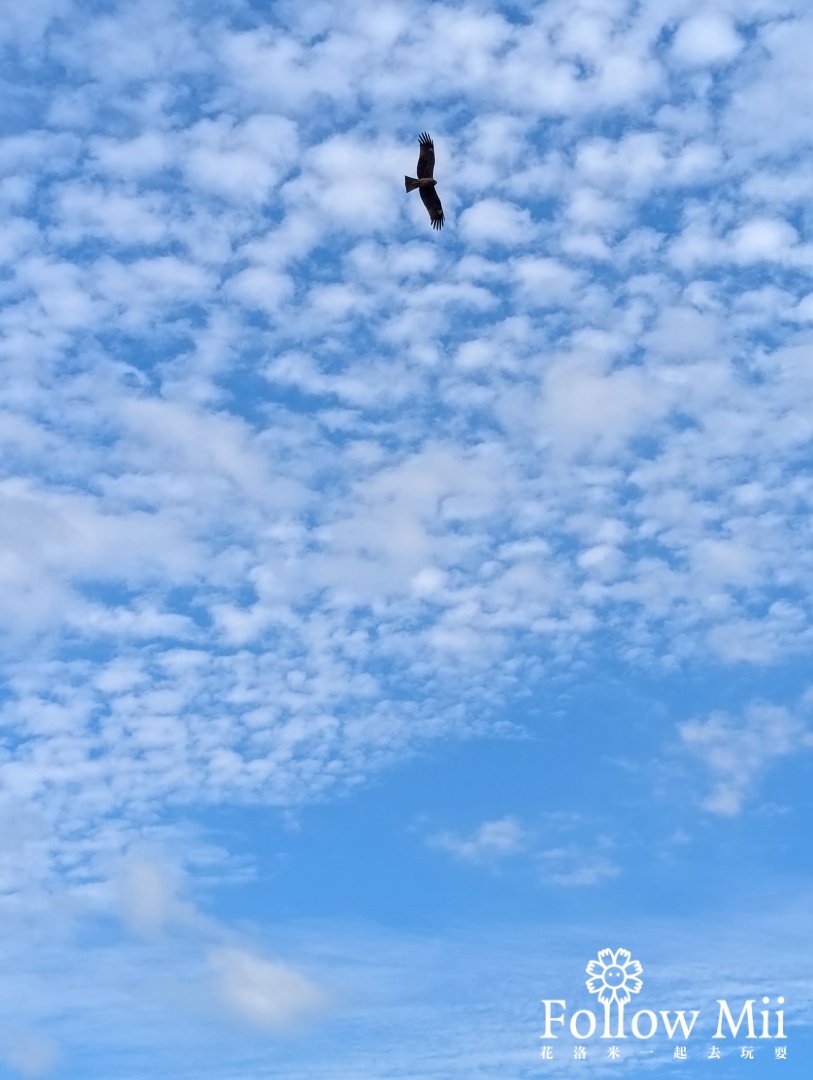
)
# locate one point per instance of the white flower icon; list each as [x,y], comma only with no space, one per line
[614,977]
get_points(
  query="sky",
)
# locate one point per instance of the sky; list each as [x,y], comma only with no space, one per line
[393,620]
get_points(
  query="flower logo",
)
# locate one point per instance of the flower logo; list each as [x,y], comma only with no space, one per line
[614,977]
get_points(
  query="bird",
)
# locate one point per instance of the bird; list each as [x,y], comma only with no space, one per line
[426,182]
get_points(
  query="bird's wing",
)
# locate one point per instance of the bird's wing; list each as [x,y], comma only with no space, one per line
[426,157]
[432,204]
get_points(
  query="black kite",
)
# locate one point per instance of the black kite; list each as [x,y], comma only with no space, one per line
[426,182]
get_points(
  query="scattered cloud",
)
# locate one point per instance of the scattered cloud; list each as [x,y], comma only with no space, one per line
[574,866]
[492,841]
[291,486]
[572,862]
[301,469]
[738,752]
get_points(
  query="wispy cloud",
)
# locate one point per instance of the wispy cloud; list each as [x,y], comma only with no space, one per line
[558,856]
[265,992]
[490,842]
[575,865]
[737,752]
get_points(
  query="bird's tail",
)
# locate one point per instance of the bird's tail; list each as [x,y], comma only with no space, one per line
[410,184]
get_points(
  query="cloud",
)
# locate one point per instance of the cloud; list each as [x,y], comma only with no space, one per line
[291,487]
[497,222]
[574,866]
[762,238]
[289,492]
[738,752]
[149,897]
[265,993]
[572,862]
[707,38]
[493,840]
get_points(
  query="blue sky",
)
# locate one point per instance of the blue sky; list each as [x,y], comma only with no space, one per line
[393,620]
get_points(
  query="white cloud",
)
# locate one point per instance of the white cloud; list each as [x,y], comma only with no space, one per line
[497,222]
[148,895]
[707,38]
[738,752]
[241,161]
[273,462]
[762,239]
[587,406]
[265,993]
[780,77]
[292,485]
[574,866]
[546,283]
[491,841]
[570,863]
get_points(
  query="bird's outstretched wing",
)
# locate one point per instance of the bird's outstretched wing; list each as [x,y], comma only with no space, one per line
[429,197]
[426,157]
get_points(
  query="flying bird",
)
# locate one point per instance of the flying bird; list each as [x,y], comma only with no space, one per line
[426,182]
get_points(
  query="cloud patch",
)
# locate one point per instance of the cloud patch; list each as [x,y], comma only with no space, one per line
[490,842]
[737,753]
[265,993]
